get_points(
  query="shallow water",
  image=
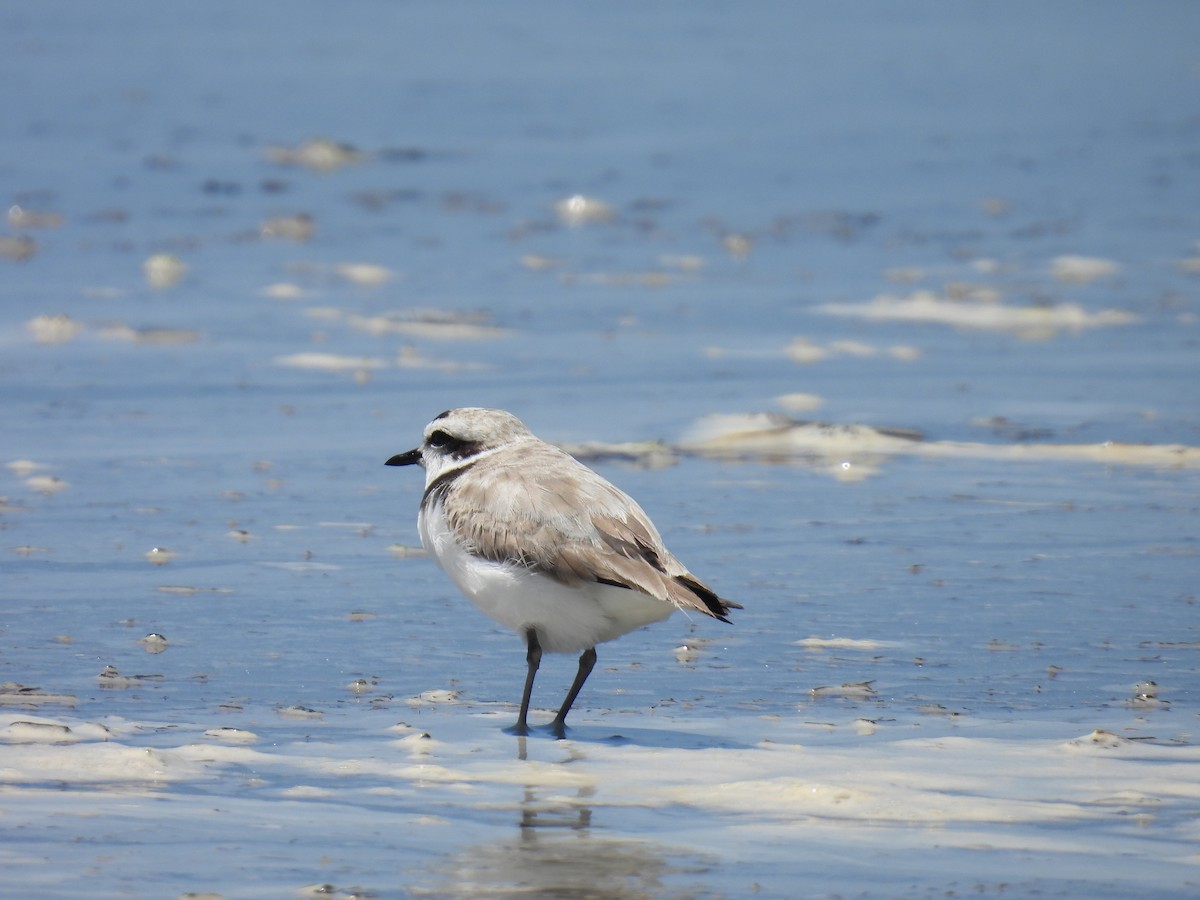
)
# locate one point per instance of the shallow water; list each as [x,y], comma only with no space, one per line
[966,238]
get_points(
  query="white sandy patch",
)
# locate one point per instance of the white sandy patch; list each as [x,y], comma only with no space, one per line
[230,735]
[836,643]
[1163,456]
[283,290]
[329,362]
[434,697]
[580,209]
[95,763]
[46,484]
[1030,322]
[30,730]
[365,274]
[23,468]
[803,350]
[60,329]
[1082,269]
[800,402]
[320,154]
[774,436]
[26,696]
[846,452]
[187,590]
[163,270]
[430,326]
[54,329]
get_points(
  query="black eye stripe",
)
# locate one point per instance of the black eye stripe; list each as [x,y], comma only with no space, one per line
[455,446]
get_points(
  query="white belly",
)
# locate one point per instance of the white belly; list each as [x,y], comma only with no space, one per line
[567,618]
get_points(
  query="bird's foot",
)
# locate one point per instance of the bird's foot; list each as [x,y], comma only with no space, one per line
[556,729]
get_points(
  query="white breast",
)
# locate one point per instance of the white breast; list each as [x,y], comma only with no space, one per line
[568,618]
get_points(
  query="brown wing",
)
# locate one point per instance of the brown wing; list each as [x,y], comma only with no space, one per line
[554,515]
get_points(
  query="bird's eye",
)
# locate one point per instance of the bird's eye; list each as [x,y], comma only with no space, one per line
[444,441]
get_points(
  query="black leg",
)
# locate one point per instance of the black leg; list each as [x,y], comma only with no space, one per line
[587,660]
[533,658]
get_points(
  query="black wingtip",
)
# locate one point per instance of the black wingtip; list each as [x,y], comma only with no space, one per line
[716,607]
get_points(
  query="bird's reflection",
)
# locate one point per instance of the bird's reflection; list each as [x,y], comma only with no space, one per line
[556,852]
[574,815]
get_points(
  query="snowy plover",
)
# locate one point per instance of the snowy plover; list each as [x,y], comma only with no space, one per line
[543,544]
